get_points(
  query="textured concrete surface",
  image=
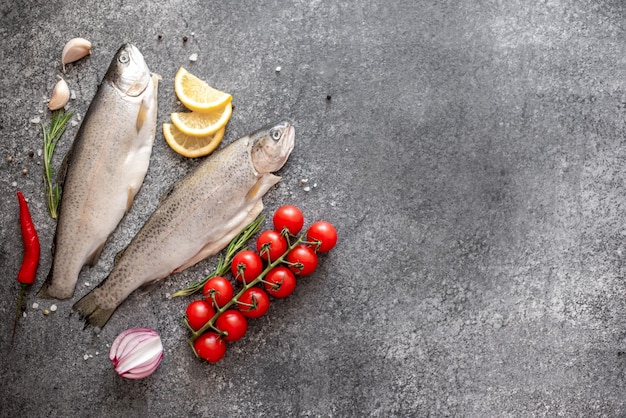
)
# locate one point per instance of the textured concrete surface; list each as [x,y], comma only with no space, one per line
[471,154]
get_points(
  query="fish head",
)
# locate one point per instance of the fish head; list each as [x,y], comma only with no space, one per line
[128,71]
[271,146]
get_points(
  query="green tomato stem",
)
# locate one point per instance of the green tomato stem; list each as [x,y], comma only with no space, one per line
[235,299]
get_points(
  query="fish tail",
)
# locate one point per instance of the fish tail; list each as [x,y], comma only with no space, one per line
[48,290]
[90,310]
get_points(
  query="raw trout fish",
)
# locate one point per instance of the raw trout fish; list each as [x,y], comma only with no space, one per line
[196,218]
[104,168]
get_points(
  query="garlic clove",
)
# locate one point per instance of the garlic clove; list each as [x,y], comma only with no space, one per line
[74,50]
[60,95]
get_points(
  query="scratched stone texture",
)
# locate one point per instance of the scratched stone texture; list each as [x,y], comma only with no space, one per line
[471,155]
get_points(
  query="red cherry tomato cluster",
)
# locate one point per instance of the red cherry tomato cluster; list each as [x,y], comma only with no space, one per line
[222,314]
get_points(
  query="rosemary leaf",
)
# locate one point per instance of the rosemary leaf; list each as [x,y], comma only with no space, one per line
[51,136]
[223,265]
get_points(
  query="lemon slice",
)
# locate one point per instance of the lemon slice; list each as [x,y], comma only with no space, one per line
[202,124]
[191,146]
[196,94]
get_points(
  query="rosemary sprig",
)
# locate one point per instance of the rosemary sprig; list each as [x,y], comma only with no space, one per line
[223,265]
[235,300]
[51,136]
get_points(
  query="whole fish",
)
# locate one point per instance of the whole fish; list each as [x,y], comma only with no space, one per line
[197,217]
[104,169]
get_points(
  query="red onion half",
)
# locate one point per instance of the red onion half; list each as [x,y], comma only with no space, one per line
[136,353]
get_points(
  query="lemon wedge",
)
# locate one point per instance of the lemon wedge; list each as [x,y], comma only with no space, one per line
[191,146]
[202,124]
[196,94]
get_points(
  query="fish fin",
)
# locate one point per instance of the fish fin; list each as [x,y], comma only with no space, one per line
[262,186]
[95,256]
[150,284]
[48,292]
[90,311]
[215,247]
[44,292]
[167,193]
[131,196]
[119,255]
[143,114]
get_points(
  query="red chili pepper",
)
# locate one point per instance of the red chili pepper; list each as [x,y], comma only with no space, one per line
[28,272]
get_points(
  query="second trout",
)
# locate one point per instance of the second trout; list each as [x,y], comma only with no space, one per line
[197,218]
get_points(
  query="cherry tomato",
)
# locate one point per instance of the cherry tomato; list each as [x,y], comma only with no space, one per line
[199,312]
[233,323]
[280,282]
[246,265]
[218,288]
[210,347]
[289,217]
[271,245]
[253,303]
[324,233]
[302,259]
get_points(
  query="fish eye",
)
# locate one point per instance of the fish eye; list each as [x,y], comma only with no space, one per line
[275,134]
[124,58]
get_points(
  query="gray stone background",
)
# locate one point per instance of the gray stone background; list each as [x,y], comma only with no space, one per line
[471,155]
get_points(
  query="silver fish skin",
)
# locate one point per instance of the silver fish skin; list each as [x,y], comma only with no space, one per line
[197,218]
[104,168]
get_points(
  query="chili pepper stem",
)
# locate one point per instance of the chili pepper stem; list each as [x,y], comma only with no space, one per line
[18,309]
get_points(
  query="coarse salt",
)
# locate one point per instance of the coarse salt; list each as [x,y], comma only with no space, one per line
[193,57]
[53,308]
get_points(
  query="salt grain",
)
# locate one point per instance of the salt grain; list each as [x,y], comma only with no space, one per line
[36,120]
[193,57]
[278,69]
[307,189]
[86,357]
[53,308]
[74,123]
[73,94]
[35,305]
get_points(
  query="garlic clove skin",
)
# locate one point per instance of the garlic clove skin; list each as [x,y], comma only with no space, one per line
[74,50]
[136,353]
[60,95]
